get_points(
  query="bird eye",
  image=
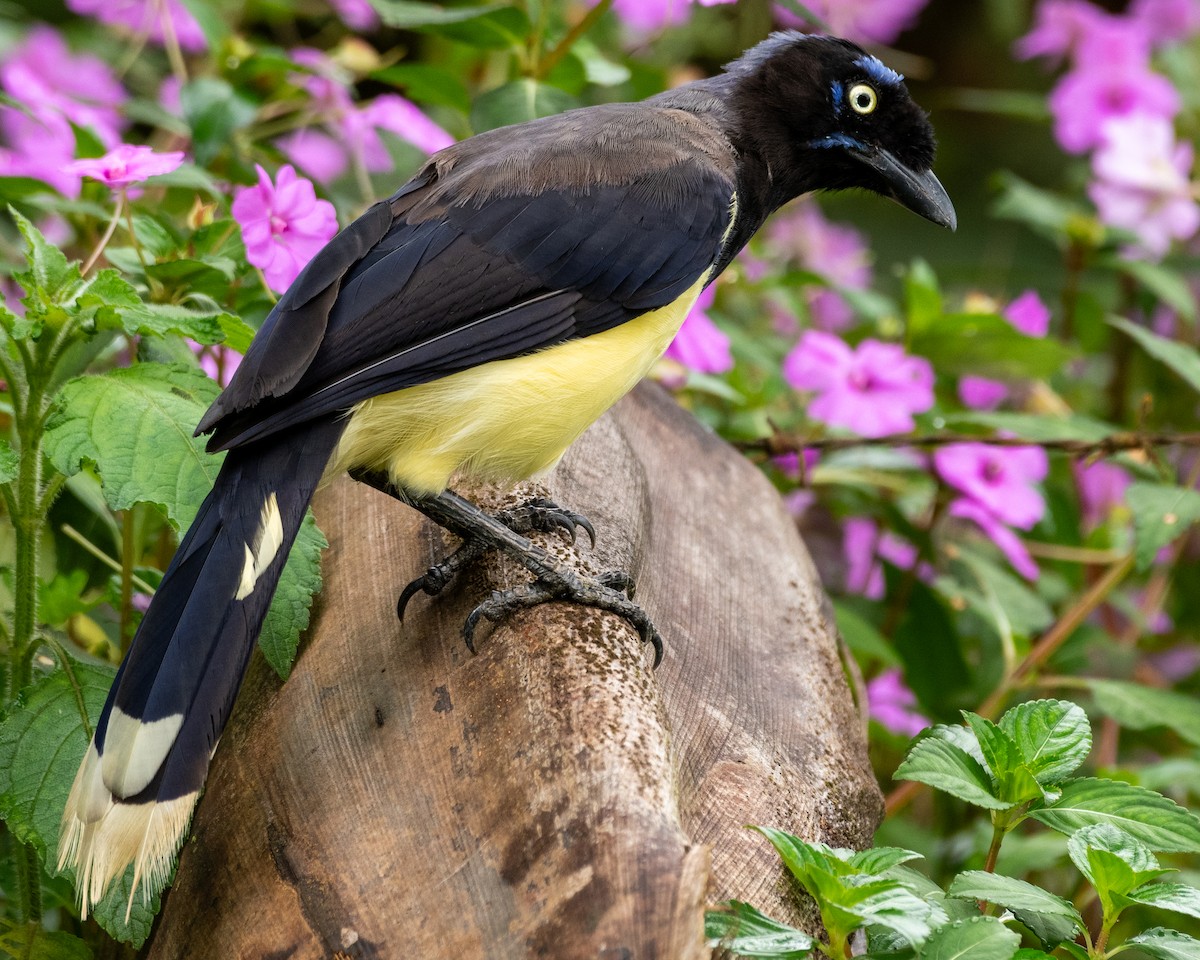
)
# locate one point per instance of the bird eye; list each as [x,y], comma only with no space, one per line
[863,98]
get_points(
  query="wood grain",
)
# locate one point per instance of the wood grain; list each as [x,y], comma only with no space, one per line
[552,796]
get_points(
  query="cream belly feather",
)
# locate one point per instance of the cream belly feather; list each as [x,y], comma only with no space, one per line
[509,419]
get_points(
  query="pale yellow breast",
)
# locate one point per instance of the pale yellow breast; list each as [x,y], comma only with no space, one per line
[509,419]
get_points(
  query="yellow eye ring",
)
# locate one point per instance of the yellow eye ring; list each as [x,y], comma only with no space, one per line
[863,98]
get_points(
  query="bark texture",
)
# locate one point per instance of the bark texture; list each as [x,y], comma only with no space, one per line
[552,796]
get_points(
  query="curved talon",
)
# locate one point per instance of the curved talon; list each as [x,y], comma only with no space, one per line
[407,594]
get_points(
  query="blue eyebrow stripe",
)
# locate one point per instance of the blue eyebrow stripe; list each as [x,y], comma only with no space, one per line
[877,71]
[837,140]
[839,96]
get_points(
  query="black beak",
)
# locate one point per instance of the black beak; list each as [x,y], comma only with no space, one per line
[922,193]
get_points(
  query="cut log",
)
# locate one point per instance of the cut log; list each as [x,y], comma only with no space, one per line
[552,796]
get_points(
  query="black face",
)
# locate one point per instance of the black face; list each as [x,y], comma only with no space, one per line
[834,117]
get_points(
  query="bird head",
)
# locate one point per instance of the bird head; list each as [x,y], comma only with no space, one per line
[826,115]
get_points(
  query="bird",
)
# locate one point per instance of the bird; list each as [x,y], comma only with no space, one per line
[472,324]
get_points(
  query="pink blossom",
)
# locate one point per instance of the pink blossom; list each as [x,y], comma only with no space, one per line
[1175,663]
[1102,487]
[700,345]
[1058,28]
[980,393]
[647,16]
[358,15]
[146,18]
[1005,540]
[218,361]
[1167,21]
[1001,479]
[870,21]
[128,163]
[1028,314]
[863,546]
[316,153]
[283,224]
[836,252]
[873,390]
[41,147]
[891,703]
[393,113]
[1142,183]
[1112,80]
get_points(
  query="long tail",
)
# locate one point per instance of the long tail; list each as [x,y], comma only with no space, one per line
[135,791]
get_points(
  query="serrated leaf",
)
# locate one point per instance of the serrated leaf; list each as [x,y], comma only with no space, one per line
[30,941]
[889,904]
[1178,897]
[1164,944]
[1051,919]
[1184,360]
[110,911]
[163,319]
[136,425]
[10,463]
[42,741]
[977,938]
[746,932]
[49,271]
[943,765]
[803,859]
[1161,513]
[1141,708]
[1054,736]
[1000,752]
[878,860]
[289,613]
[1156,821]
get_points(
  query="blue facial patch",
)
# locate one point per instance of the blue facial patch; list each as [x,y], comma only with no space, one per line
[837,140]
[839,97]
[875,70]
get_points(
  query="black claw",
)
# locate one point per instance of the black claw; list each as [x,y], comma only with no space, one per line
[407,594]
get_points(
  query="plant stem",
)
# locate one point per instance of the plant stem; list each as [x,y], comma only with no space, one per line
[128,549]
[563,47]
[105,237]
[998,831]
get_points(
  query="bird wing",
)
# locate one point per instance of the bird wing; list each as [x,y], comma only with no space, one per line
[500,246]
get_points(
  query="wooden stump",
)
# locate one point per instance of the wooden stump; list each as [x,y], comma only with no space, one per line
[552,796]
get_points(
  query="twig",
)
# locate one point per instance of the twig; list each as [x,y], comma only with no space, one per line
[550,60]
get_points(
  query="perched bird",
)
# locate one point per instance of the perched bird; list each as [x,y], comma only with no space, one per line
[472,324]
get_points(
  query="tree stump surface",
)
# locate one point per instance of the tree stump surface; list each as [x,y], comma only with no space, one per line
[552,796]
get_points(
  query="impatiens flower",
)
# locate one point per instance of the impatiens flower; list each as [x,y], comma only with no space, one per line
[356,14]
[891,702]
[980,393]
[1028,314]
[218,361]
[834,251]
[1000,479]
[1167,21]
[873,390]
[393,113]
[1003,537]
[128,163]
[870,21]
[283,224]
[1142,183]
[146,18]
[1102,487]
[863,546]
[1058,28]
[315,152]
[700,345]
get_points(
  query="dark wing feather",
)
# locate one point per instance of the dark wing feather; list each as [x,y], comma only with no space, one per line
[463,266]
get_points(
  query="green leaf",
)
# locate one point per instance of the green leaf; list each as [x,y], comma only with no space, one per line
[30,941]
[136,425]
[236,332]
[1138,707]
[289,613]
[922,298]
[1169,286]
[1051,919]
[415,14]
[977,938]
[1037,428]
[1178,897]
[1054,736]
[1161,513]
[1164,944]
[987,345]
[1015,782]
[517,102]
[941,764]
[10,463]
[746,932]
[42,741]
[1114,862]
[214,110]
[879,860]
[1184,360]
[1045,212]
[1150,817]
[163,319]
[863,637]
[49,271]
[427,84]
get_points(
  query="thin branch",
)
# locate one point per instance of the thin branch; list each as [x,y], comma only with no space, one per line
[104,558]
[550,60]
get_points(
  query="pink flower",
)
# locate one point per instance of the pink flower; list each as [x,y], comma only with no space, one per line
[1112,80]
[891,702]
[1058,28]
[871,21]
[1102,487]
[1001,479]
[358,15]
[980,393]
[218,361]
[700,345]
[863,546]
[1167,21]
[316,153]
[647,16]
[873,390]
[393,113]
[145,17]
[1028,314]
[283,224]
[128,163]
[1005,540]
[1142,183]
[835,251]
[42,146]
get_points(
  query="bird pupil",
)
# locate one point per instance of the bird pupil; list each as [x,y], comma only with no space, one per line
[863,100]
